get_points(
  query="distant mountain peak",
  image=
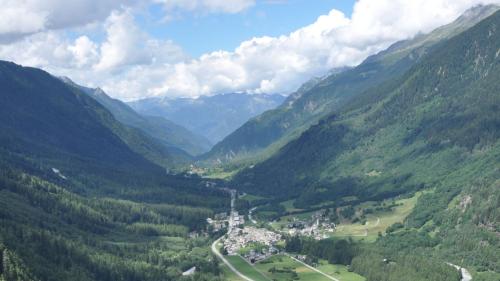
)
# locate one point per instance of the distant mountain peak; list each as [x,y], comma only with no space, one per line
[211,116]
[479,11]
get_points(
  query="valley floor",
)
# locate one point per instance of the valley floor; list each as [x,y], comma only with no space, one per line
[283,267]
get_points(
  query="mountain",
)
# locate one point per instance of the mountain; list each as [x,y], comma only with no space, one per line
[46,119]
[265,134]
[434,130]
[164,131]
[447,101]
[213,117]
[85,197]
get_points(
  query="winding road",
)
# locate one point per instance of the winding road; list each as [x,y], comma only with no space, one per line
[226,262]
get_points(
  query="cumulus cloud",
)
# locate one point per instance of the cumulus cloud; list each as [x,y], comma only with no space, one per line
[131,64]
[124,63]
[19,18]
[126,44]
[281,64]
[84,51]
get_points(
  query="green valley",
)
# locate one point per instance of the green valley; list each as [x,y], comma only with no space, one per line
[386,168]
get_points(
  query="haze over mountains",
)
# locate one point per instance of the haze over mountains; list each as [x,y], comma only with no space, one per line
[400,155]
[213,117]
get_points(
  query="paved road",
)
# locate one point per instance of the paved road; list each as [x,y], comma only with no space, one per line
[312,268]
[226,262]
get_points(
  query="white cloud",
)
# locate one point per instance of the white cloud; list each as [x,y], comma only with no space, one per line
[13,25]
[130,64]
[282,64]
[118,64]
[19,18]
[127,45]
[84,51]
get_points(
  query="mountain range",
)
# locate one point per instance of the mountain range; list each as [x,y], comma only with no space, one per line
[43,119]
[213,117]
[265,134]
[162,130]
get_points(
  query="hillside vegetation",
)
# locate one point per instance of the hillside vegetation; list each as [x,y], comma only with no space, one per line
[437,128]
[80,196]
[264,135]
[173,136]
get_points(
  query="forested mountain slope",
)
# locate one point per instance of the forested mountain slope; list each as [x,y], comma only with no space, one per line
[173,136]
[79,198]
[42,116]
[48,232]
[266,133]
[435,129]
[448,101]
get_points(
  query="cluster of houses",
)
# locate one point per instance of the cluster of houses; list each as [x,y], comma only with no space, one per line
[236,219]
[254,255]
[219,222]
[240,238]
[317,227]
[223,220]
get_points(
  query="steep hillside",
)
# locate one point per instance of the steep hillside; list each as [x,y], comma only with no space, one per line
[213,117]
[271,130]
[43,120]
[447,101]
[436,128]
[79,200]
[166,132]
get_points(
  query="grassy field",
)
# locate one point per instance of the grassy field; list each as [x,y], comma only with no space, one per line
[229,275]
[286,269]
[219,175]
[378,221]
[246,269]
[250,198]
[339,271]
[289,206]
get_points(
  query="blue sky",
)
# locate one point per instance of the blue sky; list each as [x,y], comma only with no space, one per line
[198,34]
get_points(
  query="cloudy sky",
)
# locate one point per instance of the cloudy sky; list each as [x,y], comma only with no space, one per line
[187,48]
